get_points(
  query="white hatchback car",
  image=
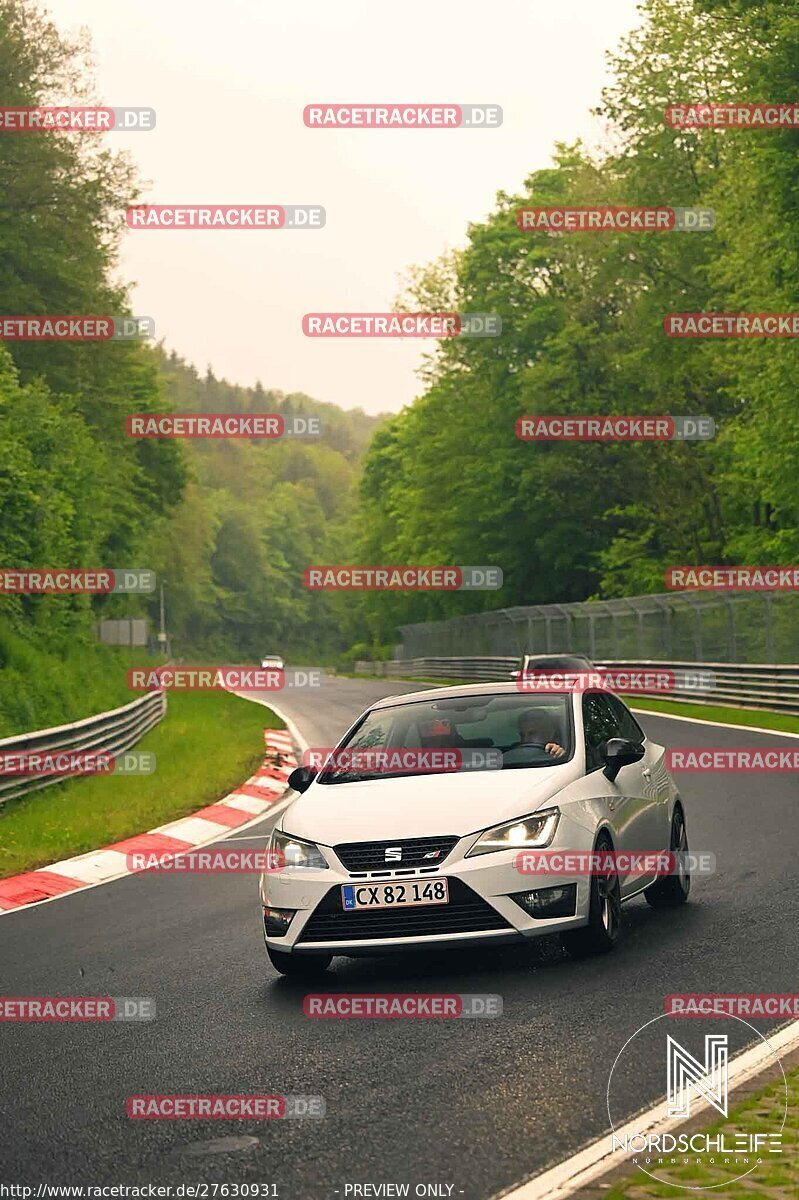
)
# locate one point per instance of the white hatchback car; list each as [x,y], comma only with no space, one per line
[377,859]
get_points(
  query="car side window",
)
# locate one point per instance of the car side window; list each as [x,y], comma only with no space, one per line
[601,724]
[627,723]
[372,735]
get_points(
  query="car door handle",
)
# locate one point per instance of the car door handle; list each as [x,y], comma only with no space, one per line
[647,774]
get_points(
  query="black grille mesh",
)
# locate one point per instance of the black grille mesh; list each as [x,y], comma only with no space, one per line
[466,913]
[416,852]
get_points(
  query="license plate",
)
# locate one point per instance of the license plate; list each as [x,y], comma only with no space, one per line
[394,895]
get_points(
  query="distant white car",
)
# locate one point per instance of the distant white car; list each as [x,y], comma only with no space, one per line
[374,862]
[272,660]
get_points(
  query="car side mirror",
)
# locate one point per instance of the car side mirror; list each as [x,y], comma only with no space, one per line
[619,752]
[301,778]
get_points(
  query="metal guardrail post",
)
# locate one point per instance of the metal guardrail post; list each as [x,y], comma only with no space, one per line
[768,600]
[732,652]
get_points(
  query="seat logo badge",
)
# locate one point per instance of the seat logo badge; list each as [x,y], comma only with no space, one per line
[393,853]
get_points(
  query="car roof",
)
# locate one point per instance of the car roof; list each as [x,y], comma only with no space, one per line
[470,689]
[557,658]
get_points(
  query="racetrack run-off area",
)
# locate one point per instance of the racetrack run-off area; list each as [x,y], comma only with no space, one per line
[443,1102]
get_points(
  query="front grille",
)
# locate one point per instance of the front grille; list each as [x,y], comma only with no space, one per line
[371,856]
[466,913]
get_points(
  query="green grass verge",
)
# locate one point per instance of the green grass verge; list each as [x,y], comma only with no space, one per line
[44,686]
[747,717]
[777,1178]
[208,743]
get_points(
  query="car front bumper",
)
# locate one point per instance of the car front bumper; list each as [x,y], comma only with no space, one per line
[481,908]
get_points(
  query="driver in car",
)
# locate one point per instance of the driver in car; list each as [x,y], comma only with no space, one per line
[535,727]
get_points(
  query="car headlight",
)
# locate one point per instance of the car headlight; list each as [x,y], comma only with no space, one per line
[294,852]
[526,832]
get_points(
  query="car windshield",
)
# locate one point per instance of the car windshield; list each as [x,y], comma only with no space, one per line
[458,734]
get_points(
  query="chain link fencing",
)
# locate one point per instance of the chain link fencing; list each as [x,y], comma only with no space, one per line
[731,627]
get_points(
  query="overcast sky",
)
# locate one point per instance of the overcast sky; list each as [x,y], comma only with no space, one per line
[229,82]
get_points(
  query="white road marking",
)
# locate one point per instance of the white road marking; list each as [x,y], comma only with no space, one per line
[651,712]
[95,867]
[246,803]
[190,829]
[299,740]
[595,1160]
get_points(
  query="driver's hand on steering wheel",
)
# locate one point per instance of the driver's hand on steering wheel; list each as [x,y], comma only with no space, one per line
[554,749]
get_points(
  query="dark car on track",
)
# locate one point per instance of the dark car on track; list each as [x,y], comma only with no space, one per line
[552,662]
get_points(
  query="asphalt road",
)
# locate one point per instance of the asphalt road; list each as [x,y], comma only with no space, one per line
[477,1104]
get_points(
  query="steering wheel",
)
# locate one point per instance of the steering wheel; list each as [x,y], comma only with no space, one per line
[514,752]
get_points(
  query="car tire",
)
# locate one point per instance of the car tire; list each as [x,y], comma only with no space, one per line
[672,890]
[299,966]
[604,914]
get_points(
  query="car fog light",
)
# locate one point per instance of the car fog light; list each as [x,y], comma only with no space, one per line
[548,902]
[277,921]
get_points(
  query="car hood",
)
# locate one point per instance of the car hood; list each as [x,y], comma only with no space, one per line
[422,805]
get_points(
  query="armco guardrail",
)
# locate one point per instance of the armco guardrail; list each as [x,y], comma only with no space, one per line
[478,670]
[751,685]
[111,732]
